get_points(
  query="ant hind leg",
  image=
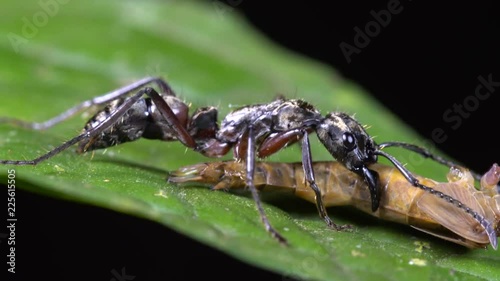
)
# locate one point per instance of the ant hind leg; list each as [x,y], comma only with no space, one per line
[111,119]
[110,96]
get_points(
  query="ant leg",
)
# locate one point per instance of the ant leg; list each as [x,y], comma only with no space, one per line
[250,169]
[425,153]
[89,103]
[309,175]
[161,104]
[488,227]
[276,141]
[182,134]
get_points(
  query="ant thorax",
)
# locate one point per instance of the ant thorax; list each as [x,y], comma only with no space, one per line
[277,116]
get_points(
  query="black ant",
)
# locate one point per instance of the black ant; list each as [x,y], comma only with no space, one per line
[252,131]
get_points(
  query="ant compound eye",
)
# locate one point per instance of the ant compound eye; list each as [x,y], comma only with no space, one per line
[349,141]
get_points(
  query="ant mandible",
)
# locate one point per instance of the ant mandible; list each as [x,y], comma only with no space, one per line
[252,131]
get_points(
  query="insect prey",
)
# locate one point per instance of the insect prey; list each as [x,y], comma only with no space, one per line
[400,201]
[255,131]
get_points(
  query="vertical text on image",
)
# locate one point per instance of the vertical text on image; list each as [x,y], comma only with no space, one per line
[11,220]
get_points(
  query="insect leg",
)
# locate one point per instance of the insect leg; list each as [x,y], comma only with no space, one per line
[371,178]
[488,227]
[425,153]
[162,106]
[250,169]
[309,175]
[89,103]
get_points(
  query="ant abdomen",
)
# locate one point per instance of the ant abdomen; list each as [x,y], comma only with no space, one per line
[129,127]
[141,120]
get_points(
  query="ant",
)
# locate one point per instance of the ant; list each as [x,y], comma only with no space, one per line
[252,131]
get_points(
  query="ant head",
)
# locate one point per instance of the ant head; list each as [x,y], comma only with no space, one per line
[347,141]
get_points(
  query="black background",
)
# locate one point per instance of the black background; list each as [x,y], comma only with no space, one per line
[426,59]
[423,62]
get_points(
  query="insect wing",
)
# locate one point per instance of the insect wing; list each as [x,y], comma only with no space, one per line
[453,218]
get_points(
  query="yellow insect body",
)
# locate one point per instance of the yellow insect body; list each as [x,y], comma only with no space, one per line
[400,202]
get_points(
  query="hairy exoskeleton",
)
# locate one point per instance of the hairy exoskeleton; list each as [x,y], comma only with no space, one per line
[138,111]
[399,202]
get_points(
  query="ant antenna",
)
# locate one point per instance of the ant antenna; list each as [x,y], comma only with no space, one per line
[490,231]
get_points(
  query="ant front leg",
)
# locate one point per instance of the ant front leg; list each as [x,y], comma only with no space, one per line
[108,97]
[111,119]
[309,175]
[250,169]
[276,141]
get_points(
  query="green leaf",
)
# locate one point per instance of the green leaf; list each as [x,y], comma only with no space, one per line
[211,57]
